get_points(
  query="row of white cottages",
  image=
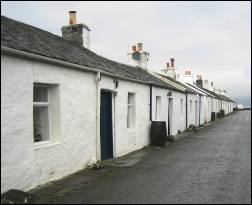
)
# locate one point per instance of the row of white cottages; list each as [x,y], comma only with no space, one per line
[62,104]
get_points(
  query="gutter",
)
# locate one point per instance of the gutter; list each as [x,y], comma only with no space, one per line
[98,102]
[150,102]
[180,88]
[199,107]
[186,109]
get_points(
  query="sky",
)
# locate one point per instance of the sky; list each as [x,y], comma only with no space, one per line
[212,39]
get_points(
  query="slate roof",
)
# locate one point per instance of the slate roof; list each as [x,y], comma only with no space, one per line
[179,83]
[201,89]
[222,97]
[27,38]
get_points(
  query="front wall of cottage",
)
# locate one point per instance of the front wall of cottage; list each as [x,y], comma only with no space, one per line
[177,115]
[128,139]
[24,164]
[191,109]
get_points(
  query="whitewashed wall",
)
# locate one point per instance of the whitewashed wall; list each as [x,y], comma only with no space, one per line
[177,119]
[129,139]
[191,113]
[25,164]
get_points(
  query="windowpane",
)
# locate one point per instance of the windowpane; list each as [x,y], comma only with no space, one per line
[128,117]
[131,110]
[158,107]
[190,106]
[181,107]
[40,94]
[131,98]
[40,124]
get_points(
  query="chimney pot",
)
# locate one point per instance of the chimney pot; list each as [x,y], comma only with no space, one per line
[134,48]
[168,65]
[72,17]
[172,62]
[187,72]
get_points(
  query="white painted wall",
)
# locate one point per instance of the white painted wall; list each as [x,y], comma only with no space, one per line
[129,139]
[191,113]
[177,121]
[25,164]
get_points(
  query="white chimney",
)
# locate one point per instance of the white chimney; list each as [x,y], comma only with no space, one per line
[211,87]
[79,34]
[170,70]
[217,90]
[223,92]
[137,57]
[188,78]
[205,84]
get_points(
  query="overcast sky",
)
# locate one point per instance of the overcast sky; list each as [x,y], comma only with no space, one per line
[210,38]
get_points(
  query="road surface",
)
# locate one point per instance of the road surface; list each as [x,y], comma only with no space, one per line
[212,165]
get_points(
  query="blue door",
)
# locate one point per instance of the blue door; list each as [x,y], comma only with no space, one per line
[106,126]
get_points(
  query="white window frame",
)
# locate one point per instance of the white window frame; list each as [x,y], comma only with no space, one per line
[131,110]
[43,104]
[158,107]
[181,108]
[191,107]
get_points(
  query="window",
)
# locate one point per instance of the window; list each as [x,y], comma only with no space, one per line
[40,113]
[131,112]
[190,107]
[158,107]
[45,112]
[181,107]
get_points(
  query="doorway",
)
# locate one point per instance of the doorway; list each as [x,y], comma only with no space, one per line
[106,135]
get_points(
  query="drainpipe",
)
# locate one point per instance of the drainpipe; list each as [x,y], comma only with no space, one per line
[114,138]
[199,107]
[98,99]
[186,109]
[150,102]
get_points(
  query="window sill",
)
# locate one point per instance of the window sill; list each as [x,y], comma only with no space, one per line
[131,129]
[45,144]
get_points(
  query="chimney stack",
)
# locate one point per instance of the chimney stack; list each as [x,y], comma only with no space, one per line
[188,78]
[139,46]
[211,87]
[206,84]
[172,62]
[137,57]
[79,34]
[170,70]
[199,81]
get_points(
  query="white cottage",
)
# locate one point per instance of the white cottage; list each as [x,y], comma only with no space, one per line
[62,104]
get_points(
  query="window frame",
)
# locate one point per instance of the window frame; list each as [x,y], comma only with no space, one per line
[190,105]
[131,110]
[158,107]
[181,108]
[41,105]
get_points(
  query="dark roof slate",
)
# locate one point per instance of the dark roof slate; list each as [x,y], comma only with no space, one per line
[27,38]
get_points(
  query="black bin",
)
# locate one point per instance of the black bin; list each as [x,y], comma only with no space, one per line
[222,112]
[158,133]
[212,116]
